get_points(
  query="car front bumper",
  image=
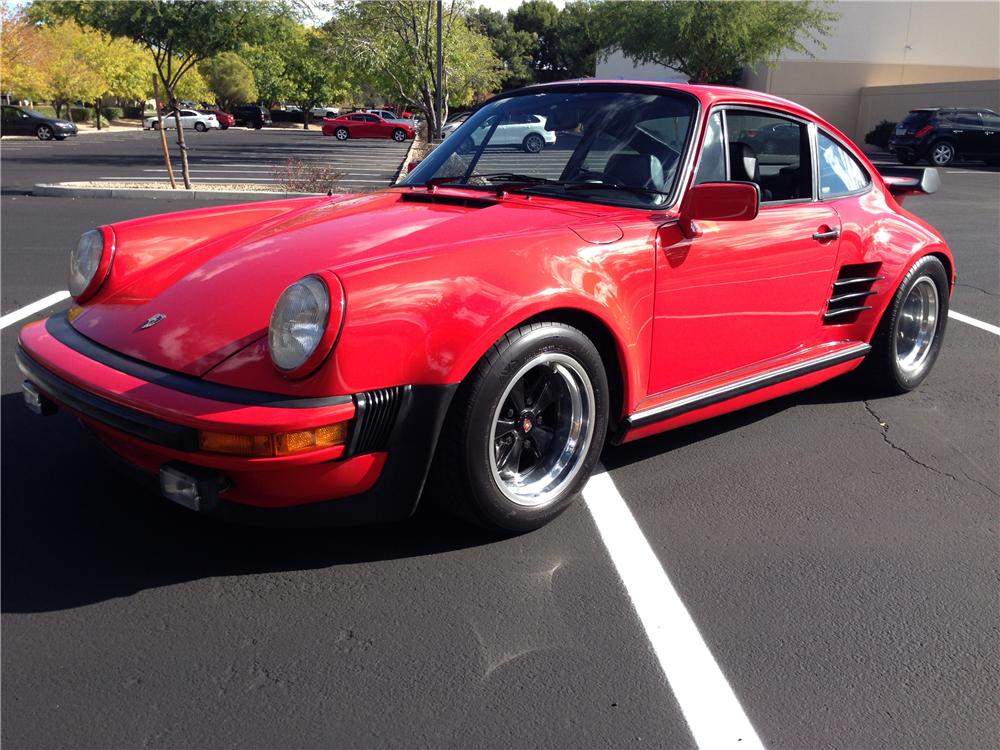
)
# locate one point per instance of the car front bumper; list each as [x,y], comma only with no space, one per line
[149,419]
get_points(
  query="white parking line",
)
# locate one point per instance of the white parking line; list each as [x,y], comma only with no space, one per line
[988,327]
[712,712]
[29,310]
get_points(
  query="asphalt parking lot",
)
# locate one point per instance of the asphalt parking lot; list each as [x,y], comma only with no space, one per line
[233,155]
[835,560]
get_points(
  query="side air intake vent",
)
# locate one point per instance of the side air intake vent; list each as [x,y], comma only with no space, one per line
[376,413]
[447,200]
[851,292]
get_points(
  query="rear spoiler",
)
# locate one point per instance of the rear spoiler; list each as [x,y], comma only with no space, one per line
[904,181]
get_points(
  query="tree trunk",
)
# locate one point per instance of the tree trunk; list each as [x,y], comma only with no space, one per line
[97,112]
[163,133]
[181,145]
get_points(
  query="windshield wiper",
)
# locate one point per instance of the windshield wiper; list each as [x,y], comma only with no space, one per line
[601,185]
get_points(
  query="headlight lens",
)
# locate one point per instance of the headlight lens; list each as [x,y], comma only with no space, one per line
[298,323]
[85,260]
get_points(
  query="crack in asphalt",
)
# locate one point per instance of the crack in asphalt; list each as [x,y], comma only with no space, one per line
[977,288]
[884,430]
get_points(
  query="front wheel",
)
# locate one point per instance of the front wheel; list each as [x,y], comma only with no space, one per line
[909,336]
[525,430]
[200,127]
[44,133]
[342,134]
[533,143]
[942,154]
[399,135]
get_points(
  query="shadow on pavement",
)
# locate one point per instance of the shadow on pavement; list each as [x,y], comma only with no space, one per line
[75,533]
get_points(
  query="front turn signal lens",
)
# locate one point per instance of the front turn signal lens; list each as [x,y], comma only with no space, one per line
[304,440]
[268,446]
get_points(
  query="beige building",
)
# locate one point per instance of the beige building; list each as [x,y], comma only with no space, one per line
[882,59]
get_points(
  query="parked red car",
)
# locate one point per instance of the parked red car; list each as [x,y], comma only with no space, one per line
[366,125]
[225,119]
[485,327]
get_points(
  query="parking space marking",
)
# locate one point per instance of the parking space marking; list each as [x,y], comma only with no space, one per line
[29,310]
[988,327]
[712,712]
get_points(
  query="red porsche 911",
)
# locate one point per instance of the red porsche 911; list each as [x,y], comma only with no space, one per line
[479,332]
[367,125]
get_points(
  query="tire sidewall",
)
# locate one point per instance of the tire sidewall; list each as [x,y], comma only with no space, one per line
[933,268]
[44,129]
[490,502]
[399,132]
[341,134]
[536,139]
[200,127]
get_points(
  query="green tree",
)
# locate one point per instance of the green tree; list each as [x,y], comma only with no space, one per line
[711,42]
[513,48]
[315,78]
[178,34]
[229,79]
[540,18]
[392,46]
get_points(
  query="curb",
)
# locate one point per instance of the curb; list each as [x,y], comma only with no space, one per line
[66,191]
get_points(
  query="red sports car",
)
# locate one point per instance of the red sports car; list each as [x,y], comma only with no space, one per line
[225,119]
[367,125]
[484,328]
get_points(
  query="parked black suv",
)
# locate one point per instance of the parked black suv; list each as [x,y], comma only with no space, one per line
[251,115]
[941,134]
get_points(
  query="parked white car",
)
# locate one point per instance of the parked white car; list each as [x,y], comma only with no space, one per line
[516,129]
[325,111]
[189,119]
[454,124]
[390,116]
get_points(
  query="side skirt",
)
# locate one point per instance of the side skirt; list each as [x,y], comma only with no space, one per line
[737,388]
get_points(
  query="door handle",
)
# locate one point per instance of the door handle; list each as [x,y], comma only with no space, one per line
[830,234]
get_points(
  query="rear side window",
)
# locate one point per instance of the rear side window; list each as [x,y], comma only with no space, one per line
[969,119]
[916,118]
[839,173]
[991,121]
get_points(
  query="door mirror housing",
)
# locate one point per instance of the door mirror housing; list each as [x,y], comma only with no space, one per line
[719,201]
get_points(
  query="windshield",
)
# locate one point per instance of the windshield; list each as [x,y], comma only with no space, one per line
[609,146]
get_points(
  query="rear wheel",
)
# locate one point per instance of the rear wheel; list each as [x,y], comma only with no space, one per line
[342,134]
[525,430]
[44,133]
[911,331]
[533,143]
[942,153]
[200,127]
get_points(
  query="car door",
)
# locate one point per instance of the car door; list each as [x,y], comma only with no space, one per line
[745,292]
[991,135]
[969,132]
[188,118]
[21,123]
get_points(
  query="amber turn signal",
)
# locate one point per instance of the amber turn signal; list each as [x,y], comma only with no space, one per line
[280,444]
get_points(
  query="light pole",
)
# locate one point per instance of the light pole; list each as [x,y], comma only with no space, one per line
[440,73]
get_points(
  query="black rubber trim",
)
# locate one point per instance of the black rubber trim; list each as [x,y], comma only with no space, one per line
[101,410]
[60,329]
[711,399]
[394,497]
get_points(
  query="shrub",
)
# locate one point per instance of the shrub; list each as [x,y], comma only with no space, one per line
[879,135]
[299,176]
[133,113]
[112,113]
[81,114]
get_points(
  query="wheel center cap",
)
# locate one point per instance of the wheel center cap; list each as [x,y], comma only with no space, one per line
[526,424]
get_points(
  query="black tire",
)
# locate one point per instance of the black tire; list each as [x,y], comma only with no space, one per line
[342,134]
[466,478]
[200,127]
[155,126]
[399,135]
[907,159]
[223,127]
[533,143]
[883,371]
[941,153]
[258,126]
[44,133]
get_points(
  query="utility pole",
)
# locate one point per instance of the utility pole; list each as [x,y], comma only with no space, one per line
[440,74]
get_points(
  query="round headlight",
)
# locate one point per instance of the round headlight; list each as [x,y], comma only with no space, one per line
[85,260]
[298,323]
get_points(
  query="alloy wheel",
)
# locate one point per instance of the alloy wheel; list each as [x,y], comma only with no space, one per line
[916,326]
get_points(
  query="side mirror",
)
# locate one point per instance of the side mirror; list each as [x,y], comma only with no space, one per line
[718,201]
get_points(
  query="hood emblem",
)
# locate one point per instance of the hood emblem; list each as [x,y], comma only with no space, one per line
[152,321]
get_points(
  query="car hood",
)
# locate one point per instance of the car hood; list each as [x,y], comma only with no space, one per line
[217,297]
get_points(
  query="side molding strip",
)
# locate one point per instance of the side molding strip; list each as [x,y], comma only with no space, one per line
[742,387]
